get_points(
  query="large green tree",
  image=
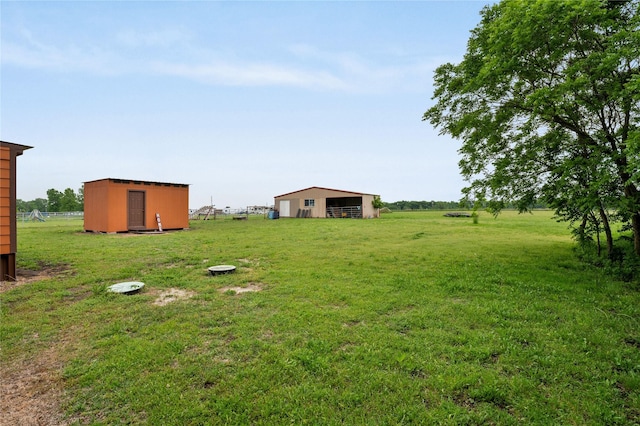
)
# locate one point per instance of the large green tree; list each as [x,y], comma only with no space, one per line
[546,102]
[54,198]
[27,206]
[67,201]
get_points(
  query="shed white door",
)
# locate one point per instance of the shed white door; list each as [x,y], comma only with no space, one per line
[284,208]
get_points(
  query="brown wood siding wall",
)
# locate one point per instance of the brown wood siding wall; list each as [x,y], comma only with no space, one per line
[6,245]
[106,205]
[8,233]
[96,200]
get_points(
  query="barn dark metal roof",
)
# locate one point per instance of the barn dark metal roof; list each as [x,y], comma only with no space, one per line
[323,189]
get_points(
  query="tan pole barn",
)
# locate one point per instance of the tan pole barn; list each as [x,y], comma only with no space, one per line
[321,202]
[8,235]
[122,205]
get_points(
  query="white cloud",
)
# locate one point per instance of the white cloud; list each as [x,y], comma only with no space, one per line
[407,75]
[164,38]
[306,67]
[253,74]
[33,53]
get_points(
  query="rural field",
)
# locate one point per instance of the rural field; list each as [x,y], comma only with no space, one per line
[414,318]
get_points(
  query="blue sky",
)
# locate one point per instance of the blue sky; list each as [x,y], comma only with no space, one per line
[242,100]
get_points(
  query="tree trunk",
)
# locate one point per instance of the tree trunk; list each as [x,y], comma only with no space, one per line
[635,224]
[607,231]
[632,194]
[594,219]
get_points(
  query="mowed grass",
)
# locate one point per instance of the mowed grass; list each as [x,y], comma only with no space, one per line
[413,318]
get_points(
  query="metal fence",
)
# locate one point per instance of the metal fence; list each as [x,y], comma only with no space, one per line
[210,212]
[38,216]
[351,212]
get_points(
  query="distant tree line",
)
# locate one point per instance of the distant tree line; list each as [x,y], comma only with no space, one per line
[422,205]
[442,205]
[56,201]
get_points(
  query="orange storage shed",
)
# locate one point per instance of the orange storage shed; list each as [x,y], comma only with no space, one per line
[122,205]
[8,239]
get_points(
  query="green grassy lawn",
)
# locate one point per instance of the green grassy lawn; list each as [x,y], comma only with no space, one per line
[413,318]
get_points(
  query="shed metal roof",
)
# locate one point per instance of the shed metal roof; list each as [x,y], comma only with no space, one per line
[17,147]
[138,181]
[323,189]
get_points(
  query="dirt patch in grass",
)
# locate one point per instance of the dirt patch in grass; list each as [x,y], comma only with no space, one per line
[251,287]
[172,295]
[26,276]
[353,323]
[31,387]
[124,234]
[31,391]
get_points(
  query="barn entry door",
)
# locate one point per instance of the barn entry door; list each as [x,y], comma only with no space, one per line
[285,210]
[136,210]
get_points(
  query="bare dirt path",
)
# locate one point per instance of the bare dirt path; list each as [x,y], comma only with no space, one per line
[31,388]
[31,391]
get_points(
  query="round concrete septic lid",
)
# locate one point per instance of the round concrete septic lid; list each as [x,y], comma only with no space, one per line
[128,287]
[221,269]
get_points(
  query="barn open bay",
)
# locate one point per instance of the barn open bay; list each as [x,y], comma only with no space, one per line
[410,318]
